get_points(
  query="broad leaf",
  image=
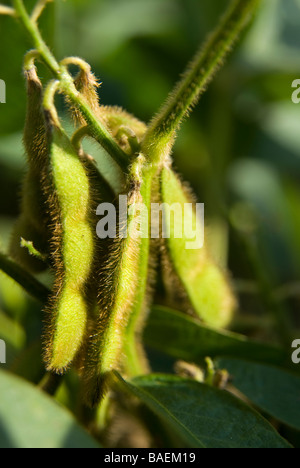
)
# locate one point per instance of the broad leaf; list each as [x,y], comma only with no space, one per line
[204,416]
[186,338]
[273,390]
[30,419]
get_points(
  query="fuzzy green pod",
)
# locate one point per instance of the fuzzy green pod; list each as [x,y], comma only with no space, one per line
[87,84]
[118,290]
[73,247]
[205,285]
[33,224]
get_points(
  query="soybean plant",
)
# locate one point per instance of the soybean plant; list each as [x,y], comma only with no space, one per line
[98,308]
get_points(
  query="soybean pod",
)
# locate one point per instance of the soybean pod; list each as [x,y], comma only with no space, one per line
[86,83]
[205,286]
[122,288]
[33,223]
[72,245]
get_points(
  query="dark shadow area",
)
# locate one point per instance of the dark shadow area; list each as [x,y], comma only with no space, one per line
[10,189]
[6,441]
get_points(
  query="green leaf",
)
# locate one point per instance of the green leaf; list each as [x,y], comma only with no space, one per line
[11,331]
[273,40]
[184,337]
[30,419]
[273,390]
[204,416]
[11,151]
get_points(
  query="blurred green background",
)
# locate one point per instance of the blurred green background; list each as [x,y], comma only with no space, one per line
[240,148]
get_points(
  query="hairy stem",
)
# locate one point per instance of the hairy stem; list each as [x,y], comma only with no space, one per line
[162,131]
[100,133]
[35,35]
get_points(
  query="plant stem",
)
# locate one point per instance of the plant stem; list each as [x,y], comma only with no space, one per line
[162,131]
[210,371]
[38,9]
[32,250]
[51,383]
[24,279]
[48,101]
[79,135]
[34,33]
[100,133]
[5,10]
